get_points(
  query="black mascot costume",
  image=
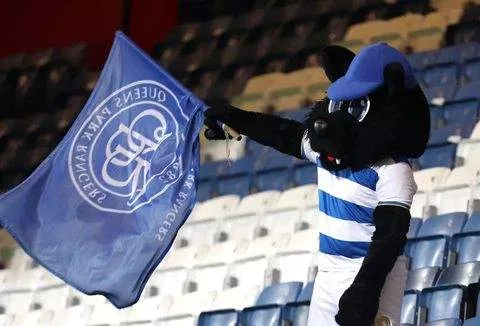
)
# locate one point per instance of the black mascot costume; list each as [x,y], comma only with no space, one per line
[360,136]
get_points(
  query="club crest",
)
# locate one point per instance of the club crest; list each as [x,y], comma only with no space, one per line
[124,154]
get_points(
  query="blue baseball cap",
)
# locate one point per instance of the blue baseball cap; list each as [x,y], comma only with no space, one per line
[365,73]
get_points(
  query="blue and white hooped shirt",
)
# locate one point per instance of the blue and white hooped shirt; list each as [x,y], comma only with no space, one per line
[347,200]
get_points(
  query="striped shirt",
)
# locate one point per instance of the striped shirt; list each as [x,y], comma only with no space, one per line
[347,200]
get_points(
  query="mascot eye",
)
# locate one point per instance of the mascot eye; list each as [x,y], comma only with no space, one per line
[358,108]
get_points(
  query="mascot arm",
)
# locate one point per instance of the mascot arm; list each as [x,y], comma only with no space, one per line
[359,304]
[282,134]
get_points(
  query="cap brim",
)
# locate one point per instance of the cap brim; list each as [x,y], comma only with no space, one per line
[343,89]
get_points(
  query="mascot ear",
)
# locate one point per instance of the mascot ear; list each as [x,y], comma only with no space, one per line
[335,61]
[394,77]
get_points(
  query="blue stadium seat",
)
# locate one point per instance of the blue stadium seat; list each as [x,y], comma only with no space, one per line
[274,172]
[458,53]
[472,321]
[421,278]
[461,111]
[236,178]
[430,247]
[419,60]
[438,156]
[298,115]
[441,135]
[438,75]
[415,223]
[453,280]
[205,190]
[268,308]
[468,91]
[445,304]
[209,170]
[409,309]
[466,243]
[446,322]
[436,118]
[296,313]
[304,172]
[256,149]
[471,70]
[445,91]
[228,317]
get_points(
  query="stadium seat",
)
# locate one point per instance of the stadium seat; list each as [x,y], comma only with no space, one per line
[441,304]
[438,156]
[296,312]
[200,228]
[297,261]
[452,132]
[471,70]
[475,132]
[171,274]
[436,114]
[409,305]
[439,94]
[72,316]
[286,215]
[444,300]
[429,179]
[211,267]
[148,310]
[467,152]
[429,34]
[438,75]
[430,247]
[243,222]
[33,318]
[236,178]
[186,308]
[472,321]
[468,91]
[415,224]
[252,264]
[268,307]
[421,278]
[56,298]
[445,322]
[274,172]
[304,172]
[456,193]
[461,112]
[106,314]
[465,244]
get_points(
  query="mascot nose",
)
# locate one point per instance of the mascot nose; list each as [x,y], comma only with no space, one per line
[320,127]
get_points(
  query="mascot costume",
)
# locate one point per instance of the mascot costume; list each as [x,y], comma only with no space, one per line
[360,136]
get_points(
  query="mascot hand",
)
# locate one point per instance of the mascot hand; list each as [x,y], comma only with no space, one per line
[357,306]
[213,116]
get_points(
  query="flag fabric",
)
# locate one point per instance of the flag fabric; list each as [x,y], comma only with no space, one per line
[104,207]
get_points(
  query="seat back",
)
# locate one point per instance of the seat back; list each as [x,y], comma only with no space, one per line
[428,179]
[442,304]
[445,224]
[421,278]
[281,293]
[463,274]
[220,318]
[438,156]
[415,224]
[408,314]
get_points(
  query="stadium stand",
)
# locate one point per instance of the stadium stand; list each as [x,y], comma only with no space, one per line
[247,252]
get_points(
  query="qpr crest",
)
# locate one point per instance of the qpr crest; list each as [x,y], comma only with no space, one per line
[124,154]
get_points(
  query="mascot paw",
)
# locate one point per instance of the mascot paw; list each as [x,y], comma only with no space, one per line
[212,118]
[357,306]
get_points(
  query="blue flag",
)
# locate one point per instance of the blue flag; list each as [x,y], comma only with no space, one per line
[104,207]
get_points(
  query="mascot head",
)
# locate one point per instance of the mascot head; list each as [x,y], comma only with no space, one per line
[374,109]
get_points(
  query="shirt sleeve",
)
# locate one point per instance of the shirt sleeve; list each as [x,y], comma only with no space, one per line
[396,185]
[307,151]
